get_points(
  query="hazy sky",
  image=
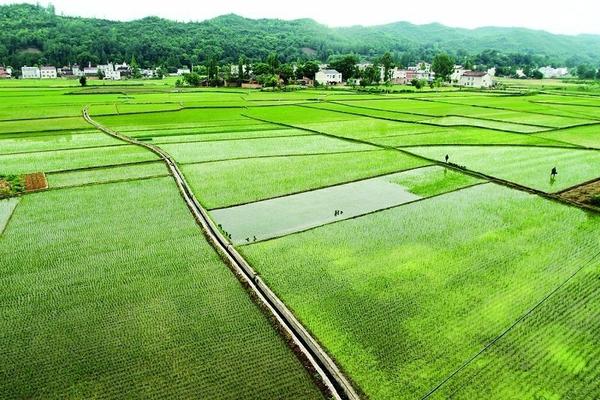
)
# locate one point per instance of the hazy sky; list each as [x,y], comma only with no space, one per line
[571,17]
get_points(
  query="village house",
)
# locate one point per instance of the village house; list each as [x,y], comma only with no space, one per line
[458,71]
[5,72]
[476,79]
[183,71]
[90,71]
[549,72]
[48,72]
[30,73]
[328,77]
[109,72]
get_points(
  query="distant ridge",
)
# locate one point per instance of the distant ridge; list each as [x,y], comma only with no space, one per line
[152,40]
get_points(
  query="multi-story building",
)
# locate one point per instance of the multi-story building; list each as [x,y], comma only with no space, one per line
[30,73]
[48,72]
[476,79]
[328,77]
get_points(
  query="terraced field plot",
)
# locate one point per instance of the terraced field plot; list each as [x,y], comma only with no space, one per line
[404,297]
[7,207]
[234,149]
[586,136]
[108,174]
[129,300]
[63,160]
[284,215]
[430,281]
[61,140]
[518,110]
[228,183]
[529,166]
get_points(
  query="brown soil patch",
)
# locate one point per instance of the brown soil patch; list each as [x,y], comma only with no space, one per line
[36,181]
[584,194]
[4,187]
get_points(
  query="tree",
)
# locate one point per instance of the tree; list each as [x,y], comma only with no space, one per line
[241,68]
[584,71]
[273,63]
[443,66]
[418,83]
[135,68]
[598,74]
[345,64]
[83,81]
[261,69]
[310,69]
[212,68]
[469,64]
[371,75]
[269,80]
[100,74]
[192,79]
[387,62]
[536,74]
[286,72]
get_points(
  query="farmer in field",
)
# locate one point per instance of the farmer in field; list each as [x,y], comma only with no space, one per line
[447,158]
[553,173]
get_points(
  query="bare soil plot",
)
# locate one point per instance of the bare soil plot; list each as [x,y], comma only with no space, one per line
[36,181]
[586,194]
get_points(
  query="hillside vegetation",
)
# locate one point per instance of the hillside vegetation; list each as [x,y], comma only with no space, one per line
[33,34]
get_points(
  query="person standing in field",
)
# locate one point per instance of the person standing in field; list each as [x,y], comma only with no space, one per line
[447,158]
[553,173]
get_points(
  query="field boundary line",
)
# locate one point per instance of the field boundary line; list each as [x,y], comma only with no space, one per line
[144,138]
[511,327]
[365,214]
[450,115]
[332,377]
[12,212]
[505,109]
[428,123]
[68,149]
[322,187]
[578,186]
[277,156]
[476,174]
[139,178]
[541,146]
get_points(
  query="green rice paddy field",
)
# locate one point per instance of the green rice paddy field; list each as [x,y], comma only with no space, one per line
[421,277]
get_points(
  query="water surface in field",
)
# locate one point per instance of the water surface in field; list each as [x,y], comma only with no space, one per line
[7,207]
[284,215]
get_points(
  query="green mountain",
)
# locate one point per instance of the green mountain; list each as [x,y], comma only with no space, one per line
[33,34]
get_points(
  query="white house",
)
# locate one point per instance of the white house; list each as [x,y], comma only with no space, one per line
[90,71]
[458,71]
[550,72]
[476,79]
[5,72]
[235,69]
[328,77]
[183,71]
[30,73]
[397,76]
[110,72]
[48,72]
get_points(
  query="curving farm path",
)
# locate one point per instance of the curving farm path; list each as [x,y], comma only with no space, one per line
[339,386]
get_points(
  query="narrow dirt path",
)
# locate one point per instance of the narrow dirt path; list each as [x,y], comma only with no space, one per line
[309,348]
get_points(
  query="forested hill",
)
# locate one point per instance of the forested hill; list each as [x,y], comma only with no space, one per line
[35,35]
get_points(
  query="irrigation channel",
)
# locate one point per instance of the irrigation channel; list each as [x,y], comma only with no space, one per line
[331,375]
